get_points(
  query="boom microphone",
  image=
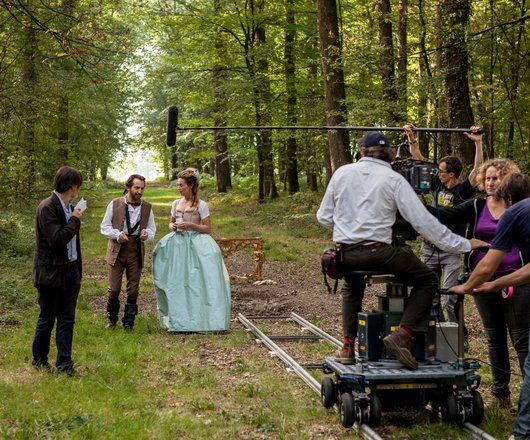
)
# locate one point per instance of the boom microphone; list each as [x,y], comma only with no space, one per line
[172,125]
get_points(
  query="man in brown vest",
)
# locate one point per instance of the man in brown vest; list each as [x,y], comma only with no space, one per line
[128,223]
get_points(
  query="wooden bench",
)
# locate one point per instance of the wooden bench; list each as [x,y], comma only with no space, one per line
[230,245]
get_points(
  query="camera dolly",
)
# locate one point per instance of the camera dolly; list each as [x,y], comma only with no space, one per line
[379,382]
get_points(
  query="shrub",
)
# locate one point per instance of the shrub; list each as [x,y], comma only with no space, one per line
[16,234]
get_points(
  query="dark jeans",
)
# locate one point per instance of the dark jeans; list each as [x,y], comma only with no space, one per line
[522,423]
[501,317]
[407,268]
[57,304]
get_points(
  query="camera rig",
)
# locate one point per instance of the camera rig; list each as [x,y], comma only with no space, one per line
[421,176]
[419,173]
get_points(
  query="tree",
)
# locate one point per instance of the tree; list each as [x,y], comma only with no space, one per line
[455,16]
[219,77]
[290,85]
[333,75]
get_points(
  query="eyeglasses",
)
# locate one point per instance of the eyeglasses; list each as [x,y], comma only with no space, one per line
[442,171]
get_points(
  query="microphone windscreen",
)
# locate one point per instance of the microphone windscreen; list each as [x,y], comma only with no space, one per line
[172,124]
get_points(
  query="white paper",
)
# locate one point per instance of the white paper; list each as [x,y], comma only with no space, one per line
[81,205]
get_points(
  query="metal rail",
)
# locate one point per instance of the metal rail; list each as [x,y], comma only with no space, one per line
[315,330]
[291,363]
[364,430]
[476,432]
[321,127]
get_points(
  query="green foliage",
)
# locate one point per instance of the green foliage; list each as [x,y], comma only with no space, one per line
[16,235]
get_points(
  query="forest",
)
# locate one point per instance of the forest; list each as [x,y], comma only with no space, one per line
[87,82]
[83,80]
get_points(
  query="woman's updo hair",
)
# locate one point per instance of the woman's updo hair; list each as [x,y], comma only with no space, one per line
[192,177]
[504,167]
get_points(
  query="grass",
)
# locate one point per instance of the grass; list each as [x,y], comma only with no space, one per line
[151,384]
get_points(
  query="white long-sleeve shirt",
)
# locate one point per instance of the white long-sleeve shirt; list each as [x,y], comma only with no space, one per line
[361,202]
[134,214]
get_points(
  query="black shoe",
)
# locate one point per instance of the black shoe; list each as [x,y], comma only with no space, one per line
[43,366]
[113,308]
[69,370]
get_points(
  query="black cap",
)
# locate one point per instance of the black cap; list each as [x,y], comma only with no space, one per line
[374,139]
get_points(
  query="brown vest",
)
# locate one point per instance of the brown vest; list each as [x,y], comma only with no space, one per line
[118,220]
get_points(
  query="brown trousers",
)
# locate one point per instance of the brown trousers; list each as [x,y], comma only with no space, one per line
[129,261]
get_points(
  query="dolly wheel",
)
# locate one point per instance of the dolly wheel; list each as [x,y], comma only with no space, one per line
[477,408]
[328,393]
[347,410]
[449,407]
[375,411]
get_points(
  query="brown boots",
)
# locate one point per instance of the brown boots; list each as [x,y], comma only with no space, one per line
[503,402]
[346,355]
[400,342]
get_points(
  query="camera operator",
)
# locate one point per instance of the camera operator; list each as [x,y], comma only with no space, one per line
[448,191]
[360,205]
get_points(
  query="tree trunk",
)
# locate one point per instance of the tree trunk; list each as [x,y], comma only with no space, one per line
[264,94]
[29,81]
[104,170]
[455,16]
[219,78]
[386,63]
[402,54]
[441,146]
[312,158]
[290,85]
[65,66]
[425,79]
[63,136]
[514,89]
[333,75]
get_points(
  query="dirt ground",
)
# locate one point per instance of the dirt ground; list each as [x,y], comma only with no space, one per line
[299,288]
[291,287]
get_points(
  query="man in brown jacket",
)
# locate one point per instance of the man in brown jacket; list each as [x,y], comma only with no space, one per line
[128,223]
[57,269]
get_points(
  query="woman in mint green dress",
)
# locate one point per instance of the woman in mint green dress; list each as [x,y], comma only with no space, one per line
[191,280]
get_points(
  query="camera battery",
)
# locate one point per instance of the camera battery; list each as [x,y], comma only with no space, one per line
[447,341]
[369,332]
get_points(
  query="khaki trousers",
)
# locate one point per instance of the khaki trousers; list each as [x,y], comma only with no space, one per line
[129,261]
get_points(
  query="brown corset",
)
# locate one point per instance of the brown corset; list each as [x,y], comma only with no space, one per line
[191,216]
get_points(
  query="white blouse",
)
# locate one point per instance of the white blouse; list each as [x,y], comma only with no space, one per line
[202,208]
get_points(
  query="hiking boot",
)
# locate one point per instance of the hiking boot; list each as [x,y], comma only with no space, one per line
[503,402]
[130,312]
[400,342]
[346,355]
[113,308]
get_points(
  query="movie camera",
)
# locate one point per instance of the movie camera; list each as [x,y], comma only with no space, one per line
[420,174]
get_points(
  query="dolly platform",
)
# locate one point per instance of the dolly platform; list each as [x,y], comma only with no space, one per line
[378,381]
[362,391]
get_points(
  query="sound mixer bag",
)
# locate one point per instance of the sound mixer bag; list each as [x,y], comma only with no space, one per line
[332,267]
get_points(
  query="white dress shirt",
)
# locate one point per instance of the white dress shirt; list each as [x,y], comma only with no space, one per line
[71,246]
[361,202]
[134,214]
